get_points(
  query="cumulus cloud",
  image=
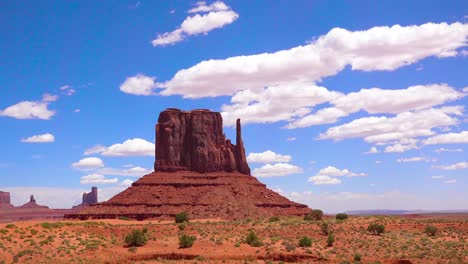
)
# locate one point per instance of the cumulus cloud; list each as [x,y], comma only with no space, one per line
[378,48]
[130,147]
[456,166]
[95,149]
[328,175]
[276,170]
[49,97]
[136,171]
[324,180]
[88,163]
[28,110]
[139,84]
[97,179]
[372,150]
[126,183]
[404,126]
[291,139]
[67,90]
[218,16]
[376,100]
[43,138]
[268,157]
[450,138]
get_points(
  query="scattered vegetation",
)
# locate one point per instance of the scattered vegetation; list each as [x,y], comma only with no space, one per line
[325,227]
[48,225]
[125,218]
[305,242]
[10,226]
[137,238]
[341,216]
[273,219]
[253,240]
[182,226]
[181,217]
[357,257]
[186,241]
[315,214]
[430,230]
[376,229]
[330,240]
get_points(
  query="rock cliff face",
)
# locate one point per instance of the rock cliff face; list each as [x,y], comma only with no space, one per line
[91,197]
[199,171]
[5,200]
[32,204]
[194,141]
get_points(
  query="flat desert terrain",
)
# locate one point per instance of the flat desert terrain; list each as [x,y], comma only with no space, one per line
[103,241]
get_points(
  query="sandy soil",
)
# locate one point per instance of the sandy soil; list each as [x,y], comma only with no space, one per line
[404,241]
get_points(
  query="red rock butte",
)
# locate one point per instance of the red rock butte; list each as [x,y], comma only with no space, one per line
[199,171]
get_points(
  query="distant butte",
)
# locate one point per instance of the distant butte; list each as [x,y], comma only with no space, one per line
[199,171]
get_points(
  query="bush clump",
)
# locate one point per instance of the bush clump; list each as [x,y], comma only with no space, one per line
[325,227]
[341,216]
[430,230]
[186,241]
[330,240]
[273,219]
[315,214]
[357,257]
[136,239]
[305,242]
[253,240]
[181,217]
[376,229]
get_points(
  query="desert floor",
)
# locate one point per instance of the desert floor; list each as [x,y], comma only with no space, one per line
[103,241]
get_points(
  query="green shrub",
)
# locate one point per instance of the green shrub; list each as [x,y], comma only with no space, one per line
[376,229]
[325,227]
[136,239]
[330,240]
[430,230]
[315,214]
[305,242]
[341,216]
[357,257]
[181,217]
[273,219]
[10,226]
[182,226]
[253,240]
[125,218]
[186,241]
[48,225]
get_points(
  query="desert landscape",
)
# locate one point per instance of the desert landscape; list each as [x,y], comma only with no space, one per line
[406,239]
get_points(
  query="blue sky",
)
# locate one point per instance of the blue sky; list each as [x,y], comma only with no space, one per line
[345,105]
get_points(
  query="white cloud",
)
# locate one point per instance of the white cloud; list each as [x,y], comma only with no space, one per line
[268,157]
[28,110]
[438,177]
[201,7]
[67,90]
[398,148]
[49,97]
[450,138]
[139,84]
[77,110]
[95,149]
[450,181]
[275,103]
[130,147]
[372,150]
[291,139]
[88,163]
[276,170]
[440,150]
[376,100]
[126,183]
[378,48]
[134,171]
[404,126]
[457,166]
[97,179]
[219,16]
[43,138]
[412,159]
[324,180]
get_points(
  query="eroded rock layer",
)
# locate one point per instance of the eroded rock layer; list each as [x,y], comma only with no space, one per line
[202,195]
[5,200]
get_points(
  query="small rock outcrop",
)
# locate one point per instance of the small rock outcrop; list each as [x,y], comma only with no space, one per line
[32,204]
[91,197]
[5,200]
[199,171]
[194,141]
